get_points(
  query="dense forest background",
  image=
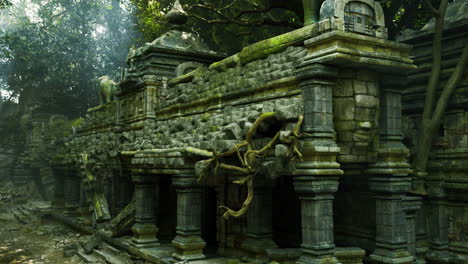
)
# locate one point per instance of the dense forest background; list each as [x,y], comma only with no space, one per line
[51,52]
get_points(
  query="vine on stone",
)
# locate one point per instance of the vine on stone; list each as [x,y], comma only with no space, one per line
[249,158]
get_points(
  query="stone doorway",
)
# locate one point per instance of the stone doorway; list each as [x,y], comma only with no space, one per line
[209,221]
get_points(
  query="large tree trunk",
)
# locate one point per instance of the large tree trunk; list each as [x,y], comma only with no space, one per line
[432,115]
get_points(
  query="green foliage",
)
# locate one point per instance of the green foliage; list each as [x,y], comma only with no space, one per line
[224,25]
[10,130]
[406,14]
[5,3]
[51,52]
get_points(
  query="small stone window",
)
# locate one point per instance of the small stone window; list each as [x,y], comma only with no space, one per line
[360,18]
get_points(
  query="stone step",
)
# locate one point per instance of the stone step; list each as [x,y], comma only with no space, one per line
[88,259]
[109,259]
[27,212]
[19,216]
[112,255]
[112,250]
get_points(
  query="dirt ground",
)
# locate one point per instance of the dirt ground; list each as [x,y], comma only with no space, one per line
[34,244]
[32,241]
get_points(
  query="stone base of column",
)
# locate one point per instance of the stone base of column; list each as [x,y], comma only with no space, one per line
[144,235]
[255,249]
[350,255]
[58,204]
[188,248]
[319,255]
[309,259]
[71,210]
[381,256]
[422,247]
[438,257]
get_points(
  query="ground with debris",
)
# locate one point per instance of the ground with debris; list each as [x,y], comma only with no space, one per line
[23,238]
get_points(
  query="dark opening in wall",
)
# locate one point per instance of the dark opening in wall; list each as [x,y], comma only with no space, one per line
[268,128]
[286,214]
[166,209]
[209,222]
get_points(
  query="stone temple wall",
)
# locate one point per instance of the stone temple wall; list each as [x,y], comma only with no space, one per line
[7,158]
[180,105]
[216,125]
[445,209]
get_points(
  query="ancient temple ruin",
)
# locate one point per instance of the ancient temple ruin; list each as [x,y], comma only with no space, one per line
[290,151]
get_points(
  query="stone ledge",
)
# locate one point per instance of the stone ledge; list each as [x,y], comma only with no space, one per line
[349,255]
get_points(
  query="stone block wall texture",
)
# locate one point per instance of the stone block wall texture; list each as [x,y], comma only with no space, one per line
[448,167]
[211,108]
[7,157]
[240,95]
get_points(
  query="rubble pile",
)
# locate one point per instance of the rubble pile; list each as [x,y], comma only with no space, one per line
[11,193]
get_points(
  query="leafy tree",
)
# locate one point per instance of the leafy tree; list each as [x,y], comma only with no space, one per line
[51,59]
[231,25]
[4,3]
[224,25]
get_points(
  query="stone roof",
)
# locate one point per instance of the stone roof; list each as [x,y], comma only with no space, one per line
[182,41]
[455,17]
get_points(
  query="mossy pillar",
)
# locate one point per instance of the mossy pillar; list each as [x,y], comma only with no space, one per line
[188,243]
[439,219]
[72,184]
[422,245]
[145,229]
[411,205]
[316,177]
[390,180]
[259,223]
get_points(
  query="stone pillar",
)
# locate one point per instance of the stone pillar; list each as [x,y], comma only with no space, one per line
[72,184]
[316,178]
[422,245]
[259,223]
[188,243]
[145,229]
[59,180]
[411,205]
[390,179]
[438,221]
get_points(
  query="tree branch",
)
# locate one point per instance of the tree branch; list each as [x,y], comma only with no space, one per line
[450,86]
[436,65]
[237,18]
[434,11]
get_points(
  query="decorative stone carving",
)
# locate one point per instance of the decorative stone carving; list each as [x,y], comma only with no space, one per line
[187,67]
[107,89]
[359,16]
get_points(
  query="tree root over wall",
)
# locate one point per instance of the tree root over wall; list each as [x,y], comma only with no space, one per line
[248,157]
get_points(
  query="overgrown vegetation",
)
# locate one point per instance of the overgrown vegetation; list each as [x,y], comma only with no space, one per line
[51,52]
